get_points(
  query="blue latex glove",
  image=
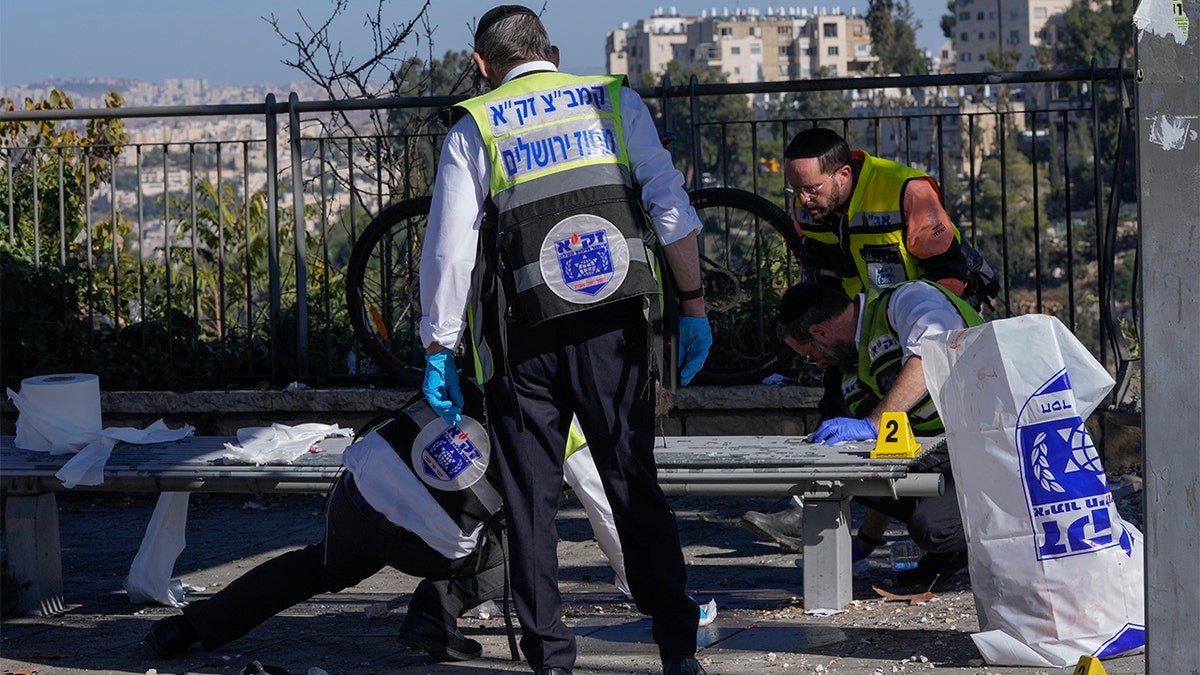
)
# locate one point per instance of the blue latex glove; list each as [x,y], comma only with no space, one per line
[441,386]
[844,429]
[695,339]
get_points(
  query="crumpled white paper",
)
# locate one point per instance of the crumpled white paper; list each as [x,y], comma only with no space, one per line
[279,443]
[45,431]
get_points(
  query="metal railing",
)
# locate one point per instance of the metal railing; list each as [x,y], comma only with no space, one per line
[234,247]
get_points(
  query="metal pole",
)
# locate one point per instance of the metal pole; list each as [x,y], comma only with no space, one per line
[273,230]
[300,244]
[1168,104]
[694,131]
[1098,187]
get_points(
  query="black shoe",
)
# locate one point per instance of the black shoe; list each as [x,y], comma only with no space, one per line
[682,665]
[171,637]
[552,671]
[932,569]
[442,641]
[782,527]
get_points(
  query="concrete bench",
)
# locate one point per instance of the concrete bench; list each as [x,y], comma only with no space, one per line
[687,465]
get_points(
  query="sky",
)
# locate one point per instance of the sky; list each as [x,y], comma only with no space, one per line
[229,42]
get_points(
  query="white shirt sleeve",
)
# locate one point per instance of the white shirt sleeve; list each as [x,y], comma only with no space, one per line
[918,309]
[452,234]
[663,195]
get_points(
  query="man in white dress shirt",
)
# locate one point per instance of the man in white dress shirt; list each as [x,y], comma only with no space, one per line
[540,253]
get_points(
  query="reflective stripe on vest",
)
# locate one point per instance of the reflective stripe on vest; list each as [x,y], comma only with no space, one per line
[570,232]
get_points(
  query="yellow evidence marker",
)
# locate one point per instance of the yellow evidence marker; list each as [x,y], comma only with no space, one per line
[1089,665]
[895,438]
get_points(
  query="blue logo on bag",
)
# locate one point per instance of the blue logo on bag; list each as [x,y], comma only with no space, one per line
[449,454]
[1131,636]
[1070,505]
[585,261]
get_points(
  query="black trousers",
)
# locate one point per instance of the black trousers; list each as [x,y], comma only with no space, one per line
[358,543]
[594,365]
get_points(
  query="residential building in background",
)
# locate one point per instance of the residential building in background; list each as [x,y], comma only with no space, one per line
[648,47]
[1019,26]
[747,45]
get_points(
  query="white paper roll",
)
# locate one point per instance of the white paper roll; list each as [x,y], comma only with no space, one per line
[56,410]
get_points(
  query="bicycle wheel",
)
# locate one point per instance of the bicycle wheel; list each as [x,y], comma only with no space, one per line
[746,266]
[382,294]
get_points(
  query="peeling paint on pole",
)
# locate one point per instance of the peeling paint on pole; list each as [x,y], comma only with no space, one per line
[1162,18]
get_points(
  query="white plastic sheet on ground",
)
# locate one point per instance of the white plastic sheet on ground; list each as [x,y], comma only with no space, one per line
[1056,572]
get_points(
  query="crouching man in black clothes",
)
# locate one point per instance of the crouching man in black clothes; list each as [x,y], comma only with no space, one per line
[383,510]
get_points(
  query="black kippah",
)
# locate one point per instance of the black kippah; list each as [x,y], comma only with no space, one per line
[495,14]
[796,301]
[811,143]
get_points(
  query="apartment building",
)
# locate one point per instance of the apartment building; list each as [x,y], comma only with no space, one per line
[1019,26]
[748,45]
[648,47]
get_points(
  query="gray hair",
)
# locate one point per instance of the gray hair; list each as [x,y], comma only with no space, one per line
[514,40]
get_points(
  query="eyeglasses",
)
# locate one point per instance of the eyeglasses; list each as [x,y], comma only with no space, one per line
[806,190]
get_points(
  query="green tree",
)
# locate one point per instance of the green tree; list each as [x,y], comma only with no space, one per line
[35,152]
[893,29]
[949,19]
[1006,211]
[1103,32]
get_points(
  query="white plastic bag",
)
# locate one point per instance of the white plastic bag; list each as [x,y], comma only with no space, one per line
[1056,572]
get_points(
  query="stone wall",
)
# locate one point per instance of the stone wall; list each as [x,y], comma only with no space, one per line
[692,411]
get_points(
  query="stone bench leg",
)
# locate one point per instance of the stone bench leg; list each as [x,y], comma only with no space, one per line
[34,552]
[828,583]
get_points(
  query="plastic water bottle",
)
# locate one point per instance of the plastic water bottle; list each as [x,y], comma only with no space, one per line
[708,612]
[905,555]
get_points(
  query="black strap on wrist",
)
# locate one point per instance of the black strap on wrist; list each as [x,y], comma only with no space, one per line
[690,295]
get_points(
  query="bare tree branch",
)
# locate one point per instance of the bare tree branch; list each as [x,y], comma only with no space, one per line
[378,153]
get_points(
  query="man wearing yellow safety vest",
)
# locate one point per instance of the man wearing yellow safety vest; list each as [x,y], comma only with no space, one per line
[875,340]
[867,224]
[538,245]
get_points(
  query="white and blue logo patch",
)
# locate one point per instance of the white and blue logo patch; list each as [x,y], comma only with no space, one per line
[1070,506]
[884,275]
[584,259]
[881,345]
[451,457]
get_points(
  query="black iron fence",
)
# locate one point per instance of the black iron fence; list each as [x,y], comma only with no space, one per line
[170,260]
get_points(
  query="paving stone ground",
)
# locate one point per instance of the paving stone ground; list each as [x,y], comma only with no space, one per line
[760,627]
